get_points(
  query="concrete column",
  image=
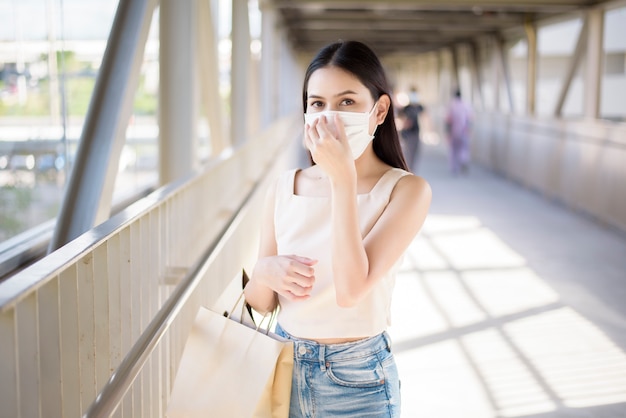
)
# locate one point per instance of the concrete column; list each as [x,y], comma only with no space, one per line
[239,72]
[531,72]
[593,62]
[269,65]
[476,74]
[454,63]
[178,117]
[443,86]
[208,78]
[496,74]
[290,77]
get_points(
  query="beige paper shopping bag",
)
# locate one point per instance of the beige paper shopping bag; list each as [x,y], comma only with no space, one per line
[274,402]
[229,370]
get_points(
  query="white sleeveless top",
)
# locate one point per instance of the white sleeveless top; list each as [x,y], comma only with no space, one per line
[303,227]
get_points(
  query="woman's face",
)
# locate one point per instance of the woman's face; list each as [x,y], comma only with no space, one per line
[332,88]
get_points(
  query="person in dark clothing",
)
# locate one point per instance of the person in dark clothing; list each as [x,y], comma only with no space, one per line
[410,130]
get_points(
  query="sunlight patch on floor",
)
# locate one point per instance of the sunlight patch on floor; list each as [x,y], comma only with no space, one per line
[576,359]
[478,334]
[506,292]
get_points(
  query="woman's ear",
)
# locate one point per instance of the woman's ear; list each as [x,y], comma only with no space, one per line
[382,107]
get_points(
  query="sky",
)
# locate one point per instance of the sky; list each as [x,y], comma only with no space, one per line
[83,19]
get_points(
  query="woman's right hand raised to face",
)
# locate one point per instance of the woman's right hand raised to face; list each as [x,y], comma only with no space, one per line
[329,147]
[290,276]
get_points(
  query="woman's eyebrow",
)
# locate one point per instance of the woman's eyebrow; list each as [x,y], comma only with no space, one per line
[343,93]
[314,96]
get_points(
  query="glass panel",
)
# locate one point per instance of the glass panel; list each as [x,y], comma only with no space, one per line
[50,52]
[485,63]
[556,44]
[517,56]
[50,55]
[614,78]
[139,161]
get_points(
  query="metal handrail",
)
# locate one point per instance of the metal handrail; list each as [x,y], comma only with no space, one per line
[120,381]
[26,248]
[90,280]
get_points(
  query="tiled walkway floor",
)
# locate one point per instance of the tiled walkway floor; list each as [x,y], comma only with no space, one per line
[509,305]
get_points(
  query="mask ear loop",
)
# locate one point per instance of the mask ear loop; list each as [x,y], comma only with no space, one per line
[229,313]
[372,111]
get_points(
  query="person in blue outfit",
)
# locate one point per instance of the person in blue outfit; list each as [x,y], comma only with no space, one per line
[332,238]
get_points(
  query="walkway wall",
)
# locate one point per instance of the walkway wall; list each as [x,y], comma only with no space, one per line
[577,163]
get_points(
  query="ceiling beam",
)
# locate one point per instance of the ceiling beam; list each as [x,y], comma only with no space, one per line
[396,25]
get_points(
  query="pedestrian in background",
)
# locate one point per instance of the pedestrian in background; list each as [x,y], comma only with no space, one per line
[410,129]
[458,124]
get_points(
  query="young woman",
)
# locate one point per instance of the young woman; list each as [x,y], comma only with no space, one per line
[332,236]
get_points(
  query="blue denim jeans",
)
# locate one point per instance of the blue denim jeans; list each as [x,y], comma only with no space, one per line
[357,379]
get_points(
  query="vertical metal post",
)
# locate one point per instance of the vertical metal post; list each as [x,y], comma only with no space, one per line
[87,200]
[573,66]
[476,73]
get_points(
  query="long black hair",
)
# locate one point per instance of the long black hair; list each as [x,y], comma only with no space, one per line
[358,59]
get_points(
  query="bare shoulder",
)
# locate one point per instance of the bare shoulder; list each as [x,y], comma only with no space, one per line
[409,204]
[412,184]
[412,189]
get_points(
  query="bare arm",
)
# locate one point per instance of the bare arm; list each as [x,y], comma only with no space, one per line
[262,298]
[350,261]
[359,264]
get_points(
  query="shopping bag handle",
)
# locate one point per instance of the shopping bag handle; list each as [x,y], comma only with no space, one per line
[271,315]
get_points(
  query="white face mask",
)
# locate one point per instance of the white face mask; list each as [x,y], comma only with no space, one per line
[356,126]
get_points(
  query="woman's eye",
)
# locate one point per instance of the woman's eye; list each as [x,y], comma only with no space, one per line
[316,104]
[347,102]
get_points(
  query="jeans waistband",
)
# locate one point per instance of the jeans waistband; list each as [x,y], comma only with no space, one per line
[308,350]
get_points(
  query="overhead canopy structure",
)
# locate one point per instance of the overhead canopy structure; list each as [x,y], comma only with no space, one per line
[413,26]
